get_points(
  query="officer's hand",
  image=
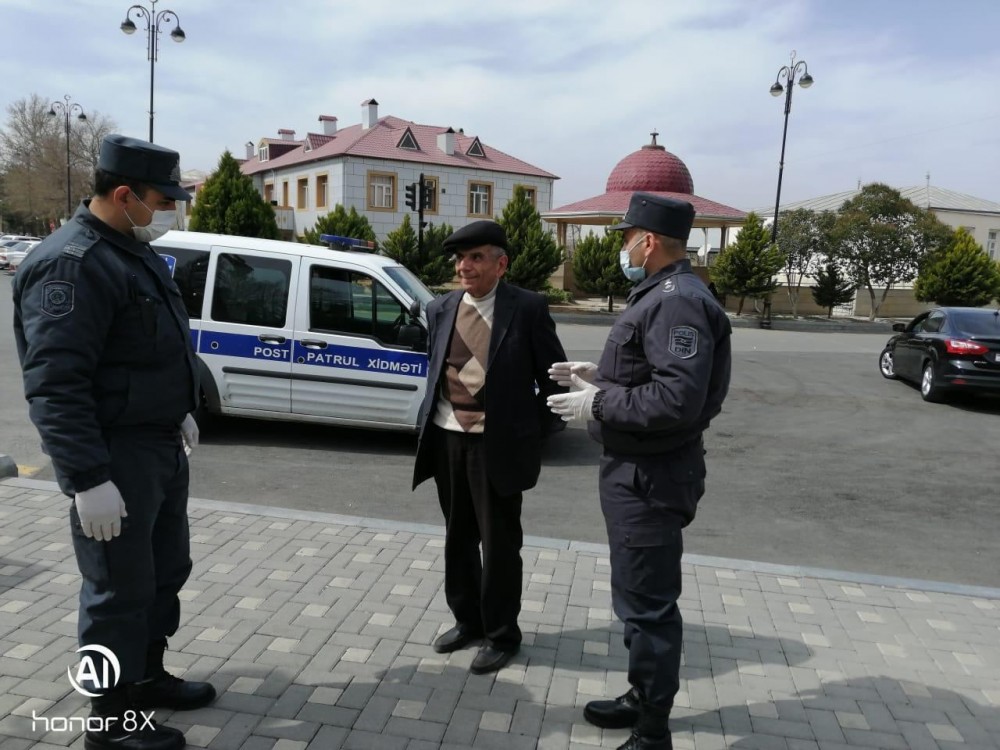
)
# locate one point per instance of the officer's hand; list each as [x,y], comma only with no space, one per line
[101,510]
[189,431]
[561,372]
[577,404]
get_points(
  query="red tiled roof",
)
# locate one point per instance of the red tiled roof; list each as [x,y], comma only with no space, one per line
[652,169]
[615,204]
[315,140]
[380,140]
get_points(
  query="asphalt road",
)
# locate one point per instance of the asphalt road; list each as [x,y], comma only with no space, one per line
[815,460]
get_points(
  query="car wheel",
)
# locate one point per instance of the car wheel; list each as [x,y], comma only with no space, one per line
[886,365]
[929,388]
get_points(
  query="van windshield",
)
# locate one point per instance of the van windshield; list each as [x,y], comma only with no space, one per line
[410,284]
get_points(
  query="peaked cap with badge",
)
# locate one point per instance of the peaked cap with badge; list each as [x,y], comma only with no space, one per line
[143,161]
[666,216]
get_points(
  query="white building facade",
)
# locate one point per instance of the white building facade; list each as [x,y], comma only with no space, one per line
[368,166]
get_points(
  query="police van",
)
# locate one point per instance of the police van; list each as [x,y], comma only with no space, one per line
[298,332]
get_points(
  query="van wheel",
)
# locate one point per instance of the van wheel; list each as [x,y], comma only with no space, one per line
[929,388]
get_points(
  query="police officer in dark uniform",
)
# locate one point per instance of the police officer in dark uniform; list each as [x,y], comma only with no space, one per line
[111,380]
[663,376]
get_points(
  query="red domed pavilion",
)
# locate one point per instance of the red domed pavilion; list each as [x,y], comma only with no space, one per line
[651,169]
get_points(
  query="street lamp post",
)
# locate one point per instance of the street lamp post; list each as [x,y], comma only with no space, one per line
[153,21]
[67,108]
[789,73]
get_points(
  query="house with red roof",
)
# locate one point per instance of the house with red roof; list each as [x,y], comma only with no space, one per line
[368,165]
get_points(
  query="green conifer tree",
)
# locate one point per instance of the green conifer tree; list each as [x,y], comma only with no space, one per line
[533,252]
[431,266]
[748,267]
[832,288]
[228,203]
[596,268]
[961,274]
[343,224]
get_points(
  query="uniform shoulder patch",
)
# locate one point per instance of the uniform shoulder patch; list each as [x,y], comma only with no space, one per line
[77,247]
[683,342]
[57,298]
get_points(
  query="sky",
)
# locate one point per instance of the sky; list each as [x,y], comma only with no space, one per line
[902,88]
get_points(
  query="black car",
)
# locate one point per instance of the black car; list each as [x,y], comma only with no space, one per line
[946,350]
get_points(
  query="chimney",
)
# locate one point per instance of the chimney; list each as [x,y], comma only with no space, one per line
[446,141]
[250,150]
[329,124]
[369,113]
[286,134]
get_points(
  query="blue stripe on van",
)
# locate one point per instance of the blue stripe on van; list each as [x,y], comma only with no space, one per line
[242,345]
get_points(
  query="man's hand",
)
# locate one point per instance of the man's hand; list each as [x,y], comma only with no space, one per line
[578,403]
[561,372]
[189,431]
[101,510]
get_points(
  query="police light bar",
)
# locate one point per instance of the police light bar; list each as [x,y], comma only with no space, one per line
[347,242]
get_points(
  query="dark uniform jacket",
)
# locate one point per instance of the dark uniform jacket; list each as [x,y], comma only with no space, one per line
[523,345]
[104,343]
[665,367]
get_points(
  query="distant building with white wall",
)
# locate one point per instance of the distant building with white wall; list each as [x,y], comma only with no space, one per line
[367,166]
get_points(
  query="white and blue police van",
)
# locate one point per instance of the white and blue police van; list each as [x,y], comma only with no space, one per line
[290,331]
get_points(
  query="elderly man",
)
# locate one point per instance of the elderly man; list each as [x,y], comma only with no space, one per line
[481,429]
[663,376]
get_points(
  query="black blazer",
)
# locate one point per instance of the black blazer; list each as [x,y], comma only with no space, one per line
[523,345]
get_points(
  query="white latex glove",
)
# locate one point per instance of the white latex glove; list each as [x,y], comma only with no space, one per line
[189,431]
[561,372]
[101,510]
[576,404]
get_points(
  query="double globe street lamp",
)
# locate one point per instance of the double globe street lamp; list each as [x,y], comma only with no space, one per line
[788,73]
[66,108]
[153,20]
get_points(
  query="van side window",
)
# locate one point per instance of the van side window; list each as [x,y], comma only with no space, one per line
[251,290]
[349,302]
[190,275]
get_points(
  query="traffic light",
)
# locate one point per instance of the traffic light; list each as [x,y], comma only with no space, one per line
[427,195]
[411,196]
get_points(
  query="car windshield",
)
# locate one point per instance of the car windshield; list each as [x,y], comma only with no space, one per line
[410,284]
[20,246]
[985,323]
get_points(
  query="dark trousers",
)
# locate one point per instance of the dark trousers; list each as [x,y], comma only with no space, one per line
[129,594]
[645,507]
[483,593]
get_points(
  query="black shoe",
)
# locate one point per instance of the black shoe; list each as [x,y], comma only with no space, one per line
[490,659]
[144,736]
[455,639]
[640,742]
[620,713]
[167,691]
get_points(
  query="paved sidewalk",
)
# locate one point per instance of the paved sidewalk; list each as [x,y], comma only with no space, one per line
[316,628]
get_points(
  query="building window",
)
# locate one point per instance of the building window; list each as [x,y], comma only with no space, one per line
[531,192]
[284,193]
[408,141]
[262,153]
[381,191]
[303,192]
[991,244]
[322,182]
[431,206]
[269,192]
[476,149]
[480,199]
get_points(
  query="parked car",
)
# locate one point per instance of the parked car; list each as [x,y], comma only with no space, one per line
[946,350]
[15,255]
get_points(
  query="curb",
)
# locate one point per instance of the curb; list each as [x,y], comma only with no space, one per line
[8,469]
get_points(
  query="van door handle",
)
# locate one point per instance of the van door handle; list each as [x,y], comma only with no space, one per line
[313,344]
[266,339]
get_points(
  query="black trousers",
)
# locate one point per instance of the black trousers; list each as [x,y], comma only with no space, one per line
[484,593]
[646,502]
[128,598]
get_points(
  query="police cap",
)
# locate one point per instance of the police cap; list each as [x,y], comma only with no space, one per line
[142,161]
[654,213]
[476,234]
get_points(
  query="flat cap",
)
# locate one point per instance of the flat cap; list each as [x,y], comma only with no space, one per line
[666,216]
[476,234]
[145,162]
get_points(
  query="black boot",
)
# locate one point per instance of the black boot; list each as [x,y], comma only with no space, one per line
[650,732]
[161,689]
[125,727]
[619,713]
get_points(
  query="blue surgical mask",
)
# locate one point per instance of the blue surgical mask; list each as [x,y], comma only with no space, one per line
[633,274]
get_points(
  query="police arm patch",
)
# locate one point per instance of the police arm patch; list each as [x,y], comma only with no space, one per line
[57,298]
[683,342]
